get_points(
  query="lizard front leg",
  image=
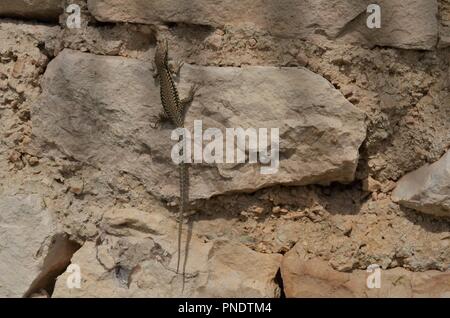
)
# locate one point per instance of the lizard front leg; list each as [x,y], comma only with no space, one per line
[155,72]
[160,118]
[185,102]
[175,67]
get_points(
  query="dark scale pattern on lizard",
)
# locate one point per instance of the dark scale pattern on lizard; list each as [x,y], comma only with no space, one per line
[174,109]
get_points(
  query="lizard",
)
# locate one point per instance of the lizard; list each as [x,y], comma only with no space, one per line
[174,110]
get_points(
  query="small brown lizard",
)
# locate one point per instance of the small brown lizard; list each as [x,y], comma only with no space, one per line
[174,110]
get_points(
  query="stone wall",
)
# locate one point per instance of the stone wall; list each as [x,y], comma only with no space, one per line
[86,176]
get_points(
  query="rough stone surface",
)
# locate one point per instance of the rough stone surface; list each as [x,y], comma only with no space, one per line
[26,225]
[136,257]
[444,29]
[400,26]
[89,113]
[404,93]
[26,228]
[46,10]
[410,25]
[315,278]
[289,18]
[426,189]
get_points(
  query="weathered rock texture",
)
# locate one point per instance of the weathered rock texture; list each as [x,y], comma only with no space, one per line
[26,228]
[444,31]
[400,26]
[88,112]
[426,189]
[136,257]
[26,224]
[77,148]
[46,10]
[315,278]
[411,24]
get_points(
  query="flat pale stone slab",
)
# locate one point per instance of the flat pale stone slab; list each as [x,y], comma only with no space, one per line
[47,10]
[100,110]
[426,189]
[138,255]
[315,278]
[25,229]
[409,24]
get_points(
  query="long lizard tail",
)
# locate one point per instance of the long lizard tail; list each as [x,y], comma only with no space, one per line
[184,199]
[180,230]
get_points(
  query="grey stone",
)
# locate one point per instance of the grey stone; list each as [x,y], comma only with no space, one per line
[405,24]
[100,110]
[26,228]
[444,29]
[137,257]
[426,189]
[46,10]
[314,277]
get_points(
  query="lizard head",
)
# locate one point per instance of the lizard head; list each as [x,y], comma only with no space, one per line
[161,53]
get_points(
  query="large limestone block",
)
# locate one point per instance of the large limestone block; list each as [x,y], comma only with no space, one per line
[406,24]
[444,30]
[26,225]
[426,189]
[99,110]
[304,277]
[26,228]
[137,257]
[46,10]
[411,24]
[284,18]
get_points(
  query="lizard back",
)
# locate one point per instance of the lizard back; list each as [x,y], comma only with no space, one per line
[168,91]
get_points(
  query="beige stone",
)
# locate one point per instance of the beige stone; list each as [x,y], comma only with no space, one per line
[47,10]
[103,121]
[26,228]
[404,24]
[136,257]
[444,29]
[303,278]
[409,25]
[426,189]
[371,185]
